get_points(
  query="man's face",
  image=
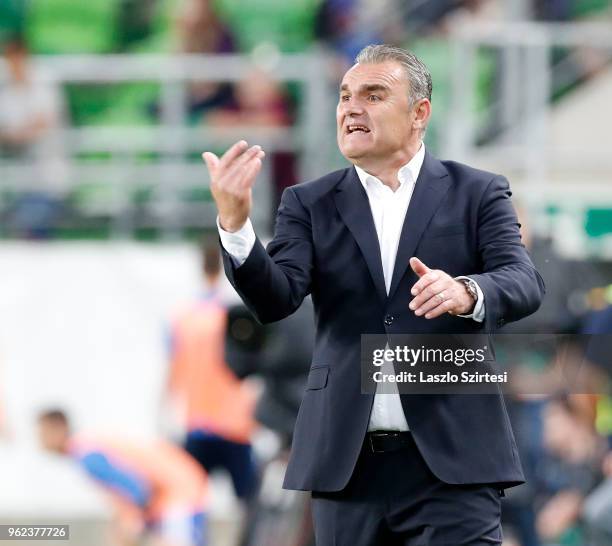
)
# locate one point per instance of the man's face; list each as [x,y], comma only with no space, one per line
[374,117]
[53,436]
[16,61]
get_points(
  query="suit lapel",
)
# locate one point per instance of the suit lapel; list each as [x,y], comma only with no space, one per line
[431,187]
[354,208]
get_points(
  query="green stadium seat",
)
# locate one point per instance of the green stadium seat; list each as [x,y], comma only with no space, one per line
[162,38]
[436,53]
[586,8]
[598,222]
[69,26]
[11,18]
[288,24]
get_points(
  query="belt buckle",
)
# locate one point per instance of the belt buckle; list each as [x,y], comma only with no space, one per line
[374,450]
[380,435]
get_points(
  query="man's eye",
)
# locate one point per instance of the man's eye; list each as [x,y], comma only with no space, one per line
[373,98]
[344,98]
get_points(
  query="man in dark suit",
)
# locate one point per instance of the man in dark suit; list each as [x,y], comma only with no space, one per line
[399,243]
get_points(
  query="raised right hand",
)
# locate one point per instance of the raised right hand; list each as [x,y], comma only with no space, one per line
[231,182]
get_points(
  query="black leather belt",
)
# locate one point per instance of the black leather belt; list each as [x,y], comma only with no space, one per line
[383,441]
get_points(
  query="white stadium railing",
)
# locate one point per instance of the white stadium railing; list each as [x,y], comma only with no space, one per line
[311,138]
[578,176]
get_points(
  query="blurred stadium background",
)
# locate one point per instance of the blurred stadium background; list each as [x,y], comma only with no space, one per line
[105,109]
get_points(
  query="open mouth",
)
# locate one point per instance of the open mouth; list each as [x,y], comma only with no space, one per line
[354,128]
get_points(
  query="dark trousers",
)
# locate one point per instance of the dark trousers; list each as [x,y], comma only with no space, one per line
[214,452]
[393,499]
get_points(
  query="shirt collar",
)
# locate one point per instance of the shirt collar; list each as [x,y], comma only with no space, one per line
[410,171]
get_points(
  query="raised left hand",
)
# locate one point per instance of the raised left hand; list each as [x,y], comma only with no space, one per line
[436,293]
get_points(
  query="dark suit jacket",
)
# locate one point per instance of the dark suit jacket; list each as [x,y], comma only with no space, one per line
[459,220]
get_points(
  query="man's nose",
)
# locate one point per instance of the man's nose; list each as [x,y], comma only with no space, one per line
[352,107]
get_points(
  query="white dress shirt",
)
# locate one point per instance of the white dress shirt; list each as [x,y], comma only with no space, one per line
[388,211]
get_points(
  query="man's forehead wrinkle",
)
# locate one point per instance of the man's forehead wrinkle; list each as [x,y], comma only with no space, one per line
[387,78]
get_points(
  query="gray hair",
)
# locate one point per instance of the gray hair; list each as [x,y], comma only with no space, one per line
[418,74]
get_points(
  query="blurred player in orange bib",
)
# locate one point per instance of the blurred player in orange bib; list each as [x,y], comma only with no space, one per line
[216,408]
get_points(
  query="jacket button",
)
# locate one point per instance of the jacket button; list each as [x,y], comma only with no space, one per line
[500,322]
[389,320]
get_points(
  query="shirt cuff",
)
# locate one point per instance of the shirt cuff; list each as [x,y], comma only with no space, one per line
[239,243]
[478,313]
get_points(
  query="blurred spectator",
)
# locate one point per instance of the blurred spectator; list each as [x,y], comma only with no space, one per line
[30,118]
[340,23]
[573,466]
[423,17]
[550,437]
[215,406]
[553,10]
[599,325]
[201,31]
[156,488]
[281,358]
[598,509]
[280,354]
[555,316]
[261,102]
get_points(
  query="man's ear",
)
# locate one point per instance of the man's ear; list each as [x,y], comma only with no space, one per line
[422,113]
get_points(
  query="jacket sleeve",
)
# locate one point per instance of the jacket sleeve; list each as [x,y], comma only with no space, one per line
[511,285]
[273,282]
